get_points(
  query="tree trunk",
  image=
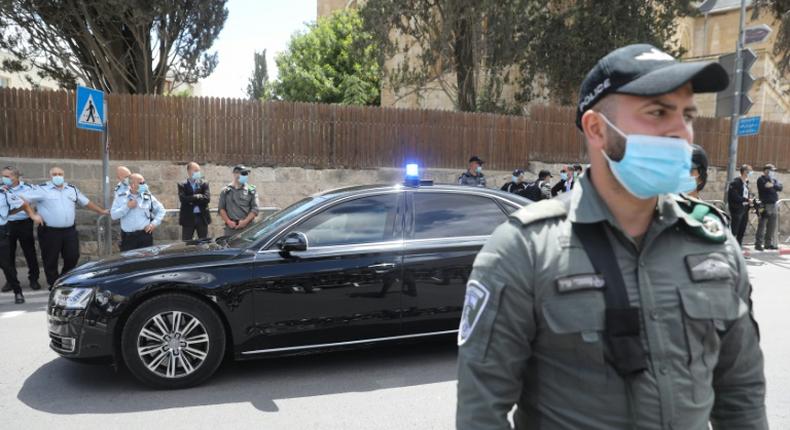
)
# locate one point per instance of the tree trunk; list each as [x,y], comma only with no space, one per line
[464,61]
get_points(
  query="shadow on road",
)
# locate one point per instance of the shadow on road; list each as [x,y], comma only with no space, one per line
[65,387]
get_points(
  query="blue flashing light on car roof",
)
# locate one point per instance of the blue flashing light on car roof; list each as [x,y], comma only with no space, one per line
[412,170]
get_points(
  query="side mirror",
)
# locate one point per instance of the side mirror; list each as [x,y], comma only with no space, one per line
[293,242]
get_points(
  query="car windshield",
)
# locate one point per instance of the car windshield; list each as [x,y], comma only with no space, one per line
[271,223]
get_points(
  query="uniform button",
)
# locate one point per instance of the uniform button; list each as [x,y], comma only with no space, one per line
[654,315]
[663,370]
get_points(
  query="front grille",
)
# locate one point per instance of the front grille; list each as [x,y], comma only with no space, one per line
[60,343]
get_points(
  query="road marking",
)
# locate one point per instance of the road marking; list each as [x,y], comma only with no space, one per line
[11,314]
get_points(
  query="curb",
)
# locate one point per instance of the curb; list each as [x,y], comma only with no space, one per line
[780,251]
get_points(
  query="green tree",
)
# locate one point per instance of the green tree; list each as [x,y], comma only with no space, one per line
[334,61]
[121,46]
[781,11]
[259,87]
[472,49]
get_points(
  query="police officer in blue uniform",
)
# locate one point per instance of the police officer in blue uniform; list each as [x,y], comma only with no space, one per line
[10,204]
[20,229]
[123,173]
[56,202]
[140,214]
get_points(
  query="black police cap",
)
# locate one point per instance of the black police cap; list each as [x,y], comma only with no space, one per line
[644,70]
[240,168]
[518,172]
[477,159]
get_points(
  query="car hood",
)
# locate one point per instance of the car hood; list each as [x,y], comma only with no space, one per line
[147,260]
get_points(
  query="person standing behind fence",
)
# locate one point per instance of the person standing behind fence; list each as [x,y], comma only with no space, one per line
[738,202]
[238,202]
[474,176]
[194,195]
[767,187]
[140,214]
[56,202]
[516,184]
[20,229]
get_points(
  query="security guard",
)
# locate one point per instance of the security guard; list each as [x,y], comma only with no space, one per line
[516,184]
[623,304]
[699,169]
[122,173]
[140,214]
[56,202]
[10,204]
[474,174]
[238,202]
[20,229]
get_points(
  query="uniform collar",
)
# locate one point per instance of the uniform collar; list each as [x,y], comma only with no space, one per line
[18,187]
[587,207]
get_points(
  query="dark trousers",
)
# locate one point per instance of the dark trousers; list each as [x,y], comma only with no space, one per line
[22,232]
[767,219]
[740,220]
[199,226]
[136,239]
[55,242]
[6,260]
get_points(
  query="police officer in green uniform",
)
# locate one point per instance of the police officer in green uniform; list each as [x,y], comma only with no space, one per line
[652,331]
[238,202]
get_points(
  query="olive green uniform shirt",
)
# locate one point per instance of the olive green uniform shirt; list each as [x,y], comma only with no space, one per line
[532,331]
[238,203]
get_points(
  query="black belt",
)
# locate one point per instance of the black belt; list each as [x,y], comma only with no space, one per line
[136,233]
[20,221]
[56,228]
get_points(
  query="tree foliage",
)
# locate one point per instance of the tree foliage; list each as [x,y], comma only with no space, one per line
[122,46]
[781,11]
[334,61]
[259,87]
[472,49]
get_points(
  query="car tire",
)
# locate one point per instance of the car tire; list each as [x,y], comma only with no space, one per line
[173,341]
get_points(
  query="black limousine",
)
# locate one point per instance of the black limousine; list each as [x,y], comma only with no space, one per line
[344,268]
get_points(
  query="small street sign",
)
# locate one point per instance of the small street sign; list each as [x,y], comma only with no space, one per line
[756,33]
[748,126]
[90,109]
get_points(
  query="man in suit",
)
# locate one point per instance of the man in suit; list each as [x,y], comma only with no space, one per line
[738,201]
[194,195]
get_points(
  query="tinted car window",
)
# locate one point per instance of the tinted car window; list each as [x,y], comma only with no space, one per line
[363,220]
[441,215]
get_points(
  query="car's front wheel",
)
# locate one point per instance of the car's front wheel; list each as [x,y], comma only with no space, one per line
[173,341]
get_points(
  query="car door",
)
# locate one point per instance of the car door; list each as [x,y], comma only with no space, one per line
[344,287]
[445,231]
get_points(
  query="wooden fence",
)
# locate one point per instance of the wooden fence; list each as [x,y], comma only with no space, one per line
[40,124]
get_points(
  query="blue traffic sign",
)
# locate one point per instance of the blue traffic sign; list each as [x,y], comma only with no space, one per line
[90,109]
[749,126]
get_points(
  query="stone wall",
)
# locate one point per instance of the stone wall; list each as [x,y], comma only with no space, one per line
[278,187]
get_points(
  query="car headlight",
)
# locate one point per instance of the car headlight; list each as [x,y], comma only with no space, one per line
[71,298]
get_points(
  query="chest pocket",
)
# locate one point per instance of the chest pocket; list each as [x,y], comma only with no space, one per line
[573,337]
[708,309]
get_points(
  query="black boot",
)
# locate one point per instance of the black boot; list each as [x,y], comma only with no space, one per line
[34,285]
[19,298]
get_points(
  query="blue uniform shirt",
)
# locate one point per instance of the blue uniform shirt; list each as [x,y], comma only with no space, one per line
[20,190]
[57,206]
[8,202]
[148,211]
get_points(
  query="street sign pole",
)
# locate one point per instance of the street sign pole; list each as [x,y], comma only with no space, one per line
[736,103]
[107,239]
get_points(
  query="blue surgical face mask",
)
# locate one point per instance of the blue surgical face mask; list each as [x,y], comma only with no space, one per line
[142,188]
[772,175]
[479,169]
[750,173]
[7,181]
[243,179]
[514,179]
[196,176]
[653,165]
[58,180]
[563,176]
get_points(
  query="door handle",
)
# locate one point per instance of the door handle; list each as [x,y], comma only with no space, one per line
[382,267]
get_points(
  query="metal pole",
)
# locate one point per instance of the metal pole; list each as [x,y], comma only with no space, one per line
[736,102]
[107,239]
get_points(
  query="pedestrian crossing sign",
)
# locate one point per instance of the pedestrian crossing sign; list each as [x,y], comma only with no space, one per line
[90,109]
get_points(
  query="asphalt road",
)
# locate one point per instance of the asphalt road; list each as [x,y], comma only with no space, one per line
[400,387]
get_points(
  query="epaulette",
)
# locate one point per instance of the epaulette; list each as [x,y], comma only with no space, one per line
[541,210]
[250,187]
[704,219]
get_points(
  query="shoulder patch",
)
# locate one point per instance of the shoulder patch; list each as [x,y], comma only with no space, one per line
[475,302]
[704,219]
[251,187]
[544,209]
